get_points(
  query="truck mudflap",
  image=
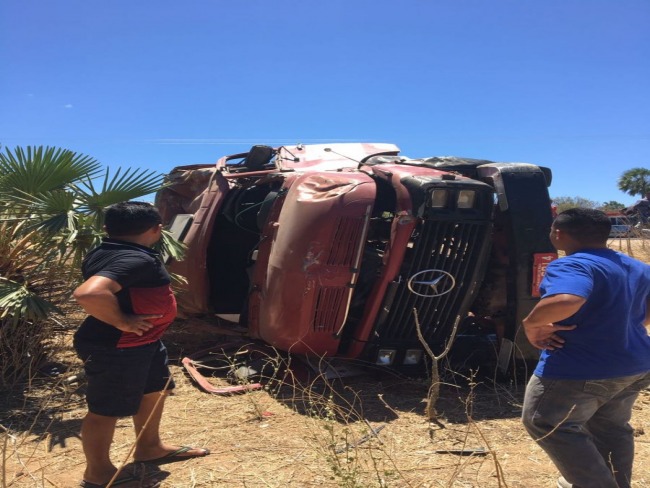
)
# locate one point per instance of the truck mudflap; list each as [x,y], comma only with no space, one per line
[525,214]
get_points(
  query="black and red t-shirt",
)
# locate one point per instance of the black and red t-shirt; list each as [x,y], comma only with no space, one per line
[145,290]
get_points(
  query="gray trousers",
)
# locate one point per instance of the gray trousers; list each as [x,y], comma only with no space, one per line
[584,427]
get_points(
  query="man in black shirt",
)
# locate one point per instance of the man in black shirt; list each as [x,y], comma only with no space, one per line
[130,304]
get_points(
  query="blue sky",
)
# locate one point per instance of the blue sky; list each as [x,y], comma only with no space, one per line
[158,84]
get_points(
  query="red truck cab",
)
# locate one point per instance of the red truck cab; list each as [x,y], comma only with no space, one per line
[332,249]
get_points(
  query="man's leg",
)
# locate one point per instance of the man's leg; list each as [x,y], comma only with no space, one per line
[96,438]
[555,413]
[613,434]
[150,446]
[159,383]
[114,388]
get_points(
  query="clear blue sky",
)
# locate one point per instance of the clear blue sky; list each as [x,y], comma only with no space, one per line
[158,84]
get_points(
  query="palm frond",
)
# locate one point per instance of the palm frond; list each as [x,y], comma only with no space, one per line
[169,247]
[177,280]
[18,303]
[76,244]
[123,186]
[51,211]
[34,170]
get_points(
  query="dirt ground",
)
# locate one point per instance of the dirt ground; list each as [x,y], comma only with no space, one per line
[300,431]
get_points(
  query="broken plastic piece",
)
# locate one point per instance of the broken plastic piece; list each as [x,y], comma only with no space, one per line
[205,385]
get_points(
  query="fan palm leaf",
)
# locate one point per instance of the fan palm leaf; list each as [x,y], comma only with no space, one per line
[34,170]
[18,302]
[121,187]
[169,247]
[635,181]
[49,211]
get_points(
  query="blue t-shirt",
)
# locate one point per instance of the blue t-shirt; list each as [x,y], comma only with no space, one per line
[610,339]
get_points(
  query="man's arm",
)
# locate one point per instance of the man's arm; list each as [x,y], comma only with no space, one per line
[646,322]
[97,297]
[540,325]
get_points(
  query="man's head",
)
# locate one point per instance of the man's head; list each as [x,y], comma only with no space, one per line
[580,228]
[131,219]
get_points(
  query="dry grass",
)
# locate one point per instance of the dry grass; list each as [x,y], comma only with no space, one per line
[367,431]
[312,439]
[637,248]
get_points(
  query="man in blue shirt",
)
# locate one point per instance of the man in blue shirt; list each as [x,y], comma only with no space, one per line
[591,327]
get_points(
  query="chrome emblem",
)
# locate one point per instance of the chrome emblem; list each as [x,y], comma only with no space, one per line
[431,283]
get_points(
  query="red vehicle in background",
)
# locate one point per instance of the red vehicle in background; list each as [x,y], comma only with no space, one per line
[327,250]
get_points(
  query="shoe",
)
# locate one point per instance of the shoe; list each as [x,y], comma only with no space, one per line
[136,476]
[130,481]
[177,455]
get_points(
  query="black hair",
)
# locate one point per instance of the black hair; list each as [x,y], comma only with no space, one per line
[585,225]
[130,218]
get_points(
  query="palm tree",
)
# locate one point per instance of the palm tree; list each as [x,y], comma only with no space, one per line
[635,181]
[51,203]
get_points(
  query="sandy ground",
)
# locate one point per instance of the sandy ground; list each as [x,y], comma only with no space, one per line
[299,438]
[302,432]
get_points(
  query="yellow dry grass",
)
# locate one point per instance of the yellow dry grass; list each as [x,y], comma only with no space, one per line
[305,434]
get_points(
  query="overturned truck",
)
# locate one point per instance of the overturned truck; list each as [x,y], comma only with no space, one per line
[346,250]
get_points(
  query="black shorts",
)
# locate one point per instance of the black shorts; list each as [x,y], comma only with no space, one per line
[118,378]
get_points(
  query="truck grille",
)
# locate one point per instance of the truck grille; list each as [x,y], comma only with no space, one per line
[346,239]
[455,247]
[328,306]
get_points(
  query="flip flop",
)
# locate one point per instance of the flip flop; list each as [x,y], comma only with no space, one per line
[137,478]
[123,482]
[177,455]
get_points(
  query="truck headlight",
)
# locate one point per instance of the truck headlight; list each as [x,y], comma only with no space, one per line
[466,199]
[439,198]
[412,356]
[385,357]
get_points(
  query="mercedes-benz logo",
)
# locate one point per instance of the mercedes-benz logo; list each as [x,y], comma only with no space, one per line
[431,283]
